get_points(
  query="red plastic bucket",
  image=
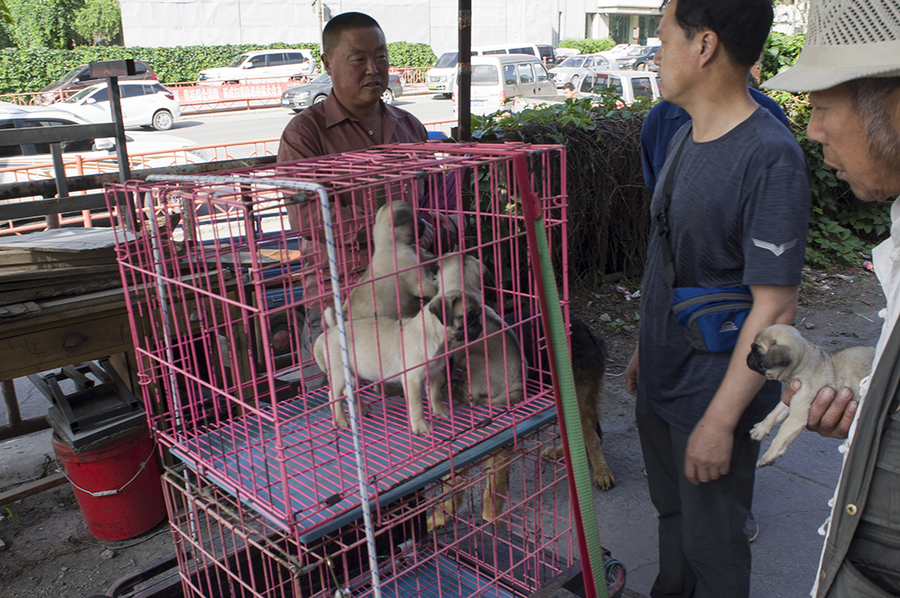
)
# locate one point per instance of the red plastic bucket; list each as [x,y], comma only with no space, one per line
[117,484]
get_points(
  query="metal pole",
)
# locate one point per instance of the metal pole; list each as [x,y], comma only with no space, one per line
[464,76]
[112,86]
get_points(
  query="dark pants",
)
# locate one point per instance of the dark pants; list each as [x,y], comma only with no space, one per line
[872,565]
[703,551]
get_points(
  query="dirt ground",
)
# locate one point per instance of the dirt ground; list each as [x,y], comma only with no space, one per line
[47,550]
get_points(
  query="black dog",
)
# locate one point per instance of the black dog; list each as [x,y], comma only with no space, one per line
[588,369]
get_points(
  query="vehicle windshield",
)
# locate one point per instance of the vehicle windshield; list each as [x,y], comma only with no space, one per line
[485,74]
[572,62]
[236,62]
[80,95]
[447,60]
[70,76]
[636,51]
[326,78]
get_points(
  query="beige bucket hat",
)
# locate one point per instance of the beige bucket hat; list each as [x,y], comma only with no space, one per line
[845,40]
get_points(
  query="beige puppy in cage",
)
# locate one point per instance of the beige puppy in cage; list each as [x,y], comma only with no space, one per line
[394,281]
[490,371]
[390,350]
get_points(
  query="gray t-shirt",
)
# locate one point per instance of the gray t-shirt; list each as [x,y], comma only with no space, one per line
[738,216]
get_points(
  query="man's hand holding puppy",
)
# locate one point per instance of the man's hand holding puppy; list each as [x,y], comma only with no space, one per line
[830,414]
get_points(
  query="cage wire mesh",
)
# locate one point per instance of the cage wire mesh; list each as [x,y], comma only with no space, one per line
[223,275]
[422,548]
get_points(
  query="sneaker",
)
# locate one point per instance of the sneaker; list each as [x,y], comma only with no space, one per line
[751,527]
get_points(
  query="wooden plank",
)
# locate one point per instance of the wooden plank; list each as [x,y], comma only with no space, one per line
[67,287]
[66,343]
[74,271]
[35,487]
[57,134]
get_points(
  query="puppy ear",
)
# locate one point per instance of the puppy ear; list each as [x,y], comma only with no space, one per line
[403,213]
[778,356]
[440,303]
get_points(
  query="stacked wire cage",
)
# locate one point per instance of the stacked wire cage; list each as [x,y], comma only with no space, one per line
[269,492]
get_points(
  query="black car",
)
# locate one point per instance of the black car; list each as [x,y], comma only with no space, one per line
[80,77]
[304,96]
[639,59]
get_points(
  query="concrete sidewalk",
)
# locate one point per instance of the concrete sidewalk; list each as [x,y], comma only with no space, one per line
[790,499]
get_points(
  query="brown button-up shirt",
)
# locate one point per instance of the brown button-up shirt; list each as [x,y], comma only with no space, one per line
[327,128]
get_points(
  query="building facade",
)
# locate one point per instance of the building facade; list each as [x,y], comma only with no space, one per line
[168,23]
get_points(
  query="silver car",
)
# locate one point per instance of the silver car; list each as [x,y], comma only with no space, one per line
[304,96]
[572,68]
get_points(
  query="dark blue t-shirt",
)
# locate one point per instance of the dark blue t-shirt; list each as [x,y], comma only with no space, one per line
[666,118]
[738,214]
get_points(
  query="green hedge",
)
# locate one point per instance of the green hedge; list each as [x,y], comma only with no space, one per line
[23,71]
[588,46]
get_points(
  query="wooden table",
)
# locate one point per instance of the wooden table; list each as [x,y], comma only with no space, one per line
[57,333]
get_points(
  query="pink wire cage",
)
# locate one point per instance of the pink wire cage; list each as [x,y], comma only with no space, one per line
[219,280]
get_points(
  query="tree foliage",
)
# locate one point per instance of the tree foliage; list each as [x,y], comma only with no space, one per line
[44,23]
[99,22]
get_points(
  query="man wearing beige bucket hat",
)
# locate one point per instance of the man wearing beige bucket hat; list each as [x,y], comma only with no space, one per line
[850,64]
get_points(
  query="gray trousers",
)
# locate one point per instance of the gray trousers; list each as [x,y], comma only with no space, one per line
[703,551]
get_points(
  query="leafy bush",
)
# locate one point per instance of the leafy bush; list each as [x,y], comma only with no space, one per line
[413,55]
[588,46]
[607,203]
[23,71]
[841,229]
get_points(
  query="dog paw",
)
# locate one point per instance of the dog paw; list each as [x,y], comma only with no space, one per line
[758,432]
[767,459]
[420,428]
[440,410]
[552,452]
[605,480]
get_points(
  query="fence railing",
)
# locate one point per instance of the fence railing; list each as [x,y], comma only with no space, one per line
[81,166]
[248,93]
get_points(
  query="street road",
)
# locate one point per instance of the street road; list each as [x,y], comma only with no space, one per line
[268,123]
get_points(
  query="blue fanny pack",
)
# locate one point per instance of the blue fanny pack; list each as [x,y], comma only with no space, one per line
[711,318]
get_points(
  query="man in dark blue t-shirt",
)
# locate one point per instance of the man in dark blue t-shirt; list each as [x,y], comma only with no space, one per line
[737,216]
[666,118]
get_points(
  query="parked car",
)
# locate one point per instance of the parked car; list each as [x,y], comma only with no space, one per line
[442,76]
[627,85]
[304,96]
[496,79]
[80,77]
[144,104]
[262,65]
[99,154]
[639,59]
[570,70]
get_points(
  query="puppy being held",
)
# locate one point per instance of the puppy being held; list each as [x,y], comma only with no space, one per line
[390,350]
[490,369]
[394,281]
[780,353]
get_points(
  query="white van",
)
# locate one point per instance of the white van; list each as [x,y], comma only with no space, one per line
[442,76]
[498,78]
[261,65]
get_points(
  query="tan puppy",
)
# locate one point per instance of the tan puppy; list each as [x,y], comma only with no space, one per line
[394,276]
[491,369]
[383,349]
[780,353]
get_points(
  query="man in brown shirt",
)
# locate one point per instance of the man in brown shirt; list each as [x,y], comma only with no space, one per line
[351,118]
